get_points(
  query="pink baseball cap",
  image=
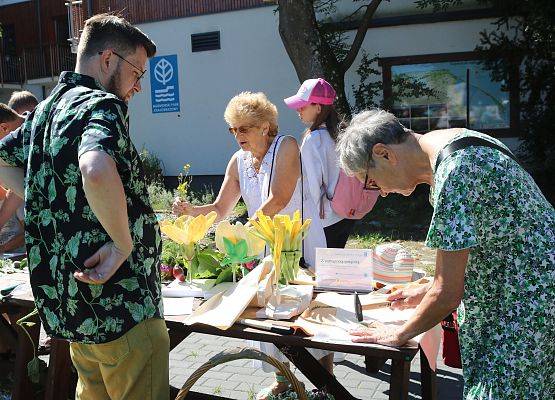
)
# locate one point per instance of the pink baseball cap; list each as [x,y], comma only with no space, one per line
[312,91]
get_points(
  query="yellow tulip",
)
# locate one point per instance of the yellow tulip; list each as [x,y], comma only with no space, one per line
[284,236]
[237,232]
[188,230]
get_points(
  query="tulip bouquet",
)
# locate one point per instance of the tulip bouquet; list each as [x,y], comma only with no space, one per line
[239,243]
[284,236]
[188,231]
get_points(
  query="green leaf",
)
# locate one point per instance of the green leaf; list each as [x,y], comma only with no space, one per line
[193,267]
[53,265]
[52,190]
[241,249]
[34,257]
[96,290]
[138,228]
[150,310]
[73,244]
[45,217]
[207,263]
[88,327]
[50,291]
[225,276]
[229,247]
[129,284]
[33,370]
[137,311]
[72,287]
[71,192]
[57,143]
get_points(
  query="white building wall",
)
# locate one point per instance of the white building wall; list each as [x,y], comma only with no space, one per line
[252,57]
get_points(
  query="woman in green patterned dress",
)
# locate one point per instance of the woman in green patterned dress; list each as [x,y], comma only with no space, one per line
[494,232]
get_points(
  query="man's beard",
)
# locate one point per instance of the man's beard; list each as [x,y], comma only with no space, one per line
[113,85]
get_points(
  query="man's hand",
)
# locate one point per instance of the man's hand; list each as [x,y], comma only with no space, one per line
[102,265]
[378,333]
[409,297]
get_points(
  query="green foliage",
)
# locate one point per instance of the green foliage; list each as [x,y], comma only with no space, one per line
[152,167]
[521,42]
[205,196]
[172,254]
[160,197]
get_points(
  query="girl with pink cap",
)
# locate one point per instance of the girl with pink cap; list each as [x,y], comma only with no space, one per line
[314,103]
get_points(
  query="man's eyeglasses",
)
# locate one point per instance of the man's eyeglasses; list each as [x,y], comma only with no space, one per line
[141,74]
[369,185]
[241,129]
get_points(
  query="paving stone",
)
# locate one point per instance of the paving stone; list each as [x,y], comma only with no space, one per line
[239,380]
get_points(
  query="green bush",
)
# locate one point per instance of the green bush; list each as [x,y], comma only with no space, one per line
[152,167]
[160,197]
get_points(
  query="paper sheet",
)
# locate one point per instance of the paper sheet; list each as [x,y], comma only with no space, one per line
[178,305]
[331,316]
[203,288]
[222,310]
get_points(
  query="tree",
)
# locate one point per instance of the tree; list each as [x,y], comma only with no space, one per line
[317,50]
[522,39]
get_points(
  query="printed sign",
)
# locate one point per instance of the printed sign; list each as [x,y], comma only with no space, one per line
[164,84]
[344,269]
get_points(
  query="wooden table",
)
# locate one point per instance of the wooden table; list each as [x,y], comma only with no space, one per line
[294,347]
[61,380]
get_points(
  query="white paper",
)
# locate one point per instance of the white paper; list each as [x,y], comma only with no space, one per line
[294,300]
[178,305]
[344,269]
[198,288]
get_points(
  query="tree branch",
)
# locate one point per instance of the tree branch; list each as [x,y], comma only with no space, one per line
[361,33]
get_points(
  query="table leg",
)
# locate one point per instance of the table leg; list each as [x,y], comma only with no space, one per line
[315,372]
[8,335]
[23,388]
[427,378]
[374,364]
[399,383]
[61,380]
[177,335]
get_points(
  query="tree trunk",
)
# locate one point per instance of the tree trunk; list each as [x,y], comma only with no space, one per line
[311,56]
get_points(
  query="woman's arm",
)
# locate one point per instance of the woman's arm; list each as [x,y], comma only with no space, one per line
[9,207]
[229,195]
[313,170]
[443,297]
[287,170]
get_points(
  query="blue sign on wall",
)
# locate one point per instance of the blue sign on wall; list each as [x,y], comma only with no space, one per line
[164,84]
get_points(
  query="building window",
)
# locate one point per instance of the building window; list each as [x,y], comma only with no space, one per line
[205,41]
[455,90]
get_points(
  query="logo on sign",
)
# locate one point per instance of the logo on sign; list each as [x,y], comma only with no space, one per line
[165,85]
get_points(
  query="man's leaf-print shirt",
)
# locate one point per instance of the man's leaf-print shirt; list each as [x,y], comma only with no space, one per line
[61,229]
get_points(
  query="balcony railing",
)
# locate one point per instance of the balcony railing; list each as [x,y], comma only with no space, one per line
[35,63]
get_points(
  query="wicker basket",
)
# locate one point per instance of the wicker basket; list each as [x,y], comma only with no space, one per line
[237,354]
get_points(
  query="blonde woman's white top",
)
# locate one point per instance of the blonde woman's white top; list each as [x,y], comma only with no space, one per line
[321,172]
[254,191]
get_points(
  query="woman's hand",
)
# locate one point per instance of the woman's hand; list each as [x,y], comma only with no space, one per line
[409,297]
[181,207]
[379,333]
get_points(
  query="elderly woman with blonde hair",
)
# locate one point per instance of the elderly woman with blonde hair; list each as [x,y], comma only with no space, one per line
[266,173]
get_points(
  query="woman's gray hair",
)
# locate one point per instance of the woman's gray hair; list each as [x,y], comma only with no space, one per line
[367,128]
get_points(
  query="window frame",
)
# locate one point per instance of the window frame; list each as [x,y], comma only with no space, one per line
[514,108]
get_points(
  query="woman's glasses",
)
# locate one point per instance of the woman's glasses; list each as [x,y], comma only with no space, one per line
[241,129]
